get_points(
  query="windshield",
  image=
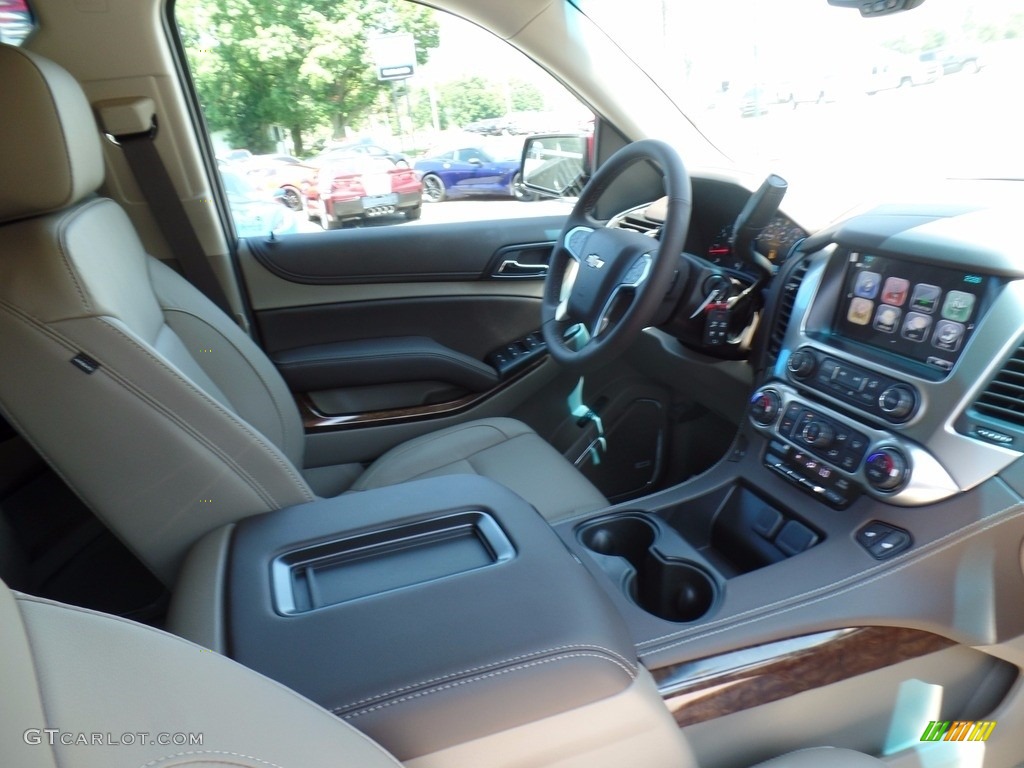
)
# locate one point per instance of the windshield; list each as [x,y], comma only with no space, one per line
[803,88]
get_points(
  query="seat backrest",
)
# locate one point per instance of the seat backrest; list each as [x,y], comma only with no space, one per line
[160,413]
[85,690]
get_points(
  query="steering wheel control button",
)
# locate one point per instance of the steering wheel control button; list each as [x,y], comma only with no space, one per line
[886,469]
[765,406]
[802,363]
[882,540]
[574,242]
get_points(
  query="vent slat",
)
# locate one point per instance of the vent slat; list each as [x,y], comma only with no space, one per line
[640,224]
[1003,398]
[786,309]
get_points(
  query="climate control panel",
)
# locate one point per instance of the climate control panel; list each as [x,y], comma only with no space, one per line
[879,395]
[835,459]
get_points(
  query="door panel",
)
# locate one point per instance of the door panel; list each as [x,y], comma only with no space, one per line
[445,282]
[474,325]
[394,254]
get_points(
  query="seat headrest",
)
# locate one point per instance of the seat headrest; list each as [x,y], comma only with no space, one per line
[50,152]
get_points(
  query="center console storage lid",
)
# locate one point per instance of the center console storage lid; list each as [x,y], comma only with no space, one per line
[426,614]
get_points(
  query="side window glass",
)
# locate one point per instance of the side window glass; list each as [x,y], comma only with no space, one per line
[16,21]
[344,113]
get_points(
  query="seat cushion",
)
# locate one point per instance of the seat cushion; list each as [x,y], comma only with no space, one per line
[151,699]
[823,757]
[504,450]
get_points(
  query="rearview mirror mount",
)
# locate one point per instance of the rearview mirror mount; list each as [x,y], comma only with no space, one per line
[870,8]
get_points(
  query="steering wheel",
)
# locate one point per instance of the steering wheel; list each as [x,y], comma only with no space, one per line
[611,282]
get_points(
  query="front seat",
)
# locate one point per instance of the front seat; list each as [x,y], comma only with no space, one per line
[102,368]
[85,690]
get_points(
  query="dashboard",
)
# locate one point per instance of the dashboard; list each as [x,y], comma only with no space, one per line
[893,357]
[716,204]
[897,375]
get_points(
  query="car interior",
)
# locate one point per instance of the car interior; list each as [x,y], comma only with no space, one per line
[676,473]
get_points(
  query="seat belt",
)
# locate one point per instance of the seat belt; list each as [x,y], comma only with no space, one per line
[132,122]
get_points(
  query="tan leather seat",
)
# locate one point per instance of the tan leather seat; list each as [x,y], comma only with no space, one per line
[85,690]
[101,371]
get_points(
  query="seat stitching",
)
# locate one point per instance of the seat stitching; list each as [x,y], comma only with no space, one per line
[314,707]
[65,222]
[427,439]
[273,397]
[35,673]
[198,752]
[490,675]
[114,375]
[239,422]
[482,667]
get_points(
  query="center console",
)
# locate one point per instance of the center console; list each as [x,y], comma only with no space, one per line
[449,621]
[444,618]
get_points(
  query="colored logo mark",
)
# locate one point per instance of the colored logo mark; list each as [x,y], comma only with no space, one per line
[958,730]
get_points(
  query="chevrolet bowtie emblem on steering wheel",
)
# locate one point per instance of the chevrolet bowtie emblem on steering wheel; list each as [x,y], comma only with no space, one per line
[595,261]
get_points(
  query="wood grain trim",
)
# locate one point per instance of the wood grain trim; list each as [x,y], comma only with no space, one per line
[743,679]
[315,421]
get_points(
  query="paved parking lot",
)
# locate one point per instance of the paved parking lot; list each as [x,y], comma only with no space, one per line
[461,210]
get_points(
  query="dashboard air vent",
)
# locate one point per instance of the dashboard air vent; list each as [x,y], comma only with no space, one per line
[1003,398]
[785,310]
[636,221]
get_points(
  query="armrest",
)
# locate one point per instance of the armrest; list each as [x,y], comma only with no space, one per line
[381,361]
[453,647]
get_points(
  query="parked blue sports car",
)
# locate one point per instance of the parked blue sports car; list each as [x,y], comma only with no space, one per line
[469,171]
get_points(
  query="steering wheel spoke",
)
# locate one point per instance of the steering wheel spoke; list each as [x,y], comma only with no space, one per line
[612,280]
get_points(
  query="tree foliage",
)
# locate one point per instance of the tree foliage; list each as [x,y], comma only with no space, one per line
[526,97]
[469,99]
[299,64]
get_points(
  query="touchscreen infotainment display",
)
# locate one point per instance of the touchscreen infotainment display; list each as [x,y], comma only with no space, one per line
[917,311]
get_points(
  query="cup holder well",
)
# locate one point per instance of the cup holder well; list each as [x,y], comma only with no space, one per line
[671,588]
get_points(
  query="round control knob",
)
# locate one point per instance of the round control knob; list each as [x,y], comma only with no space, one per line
[819,434]
[886,469]
[765,406]
[802,363]
[897,402]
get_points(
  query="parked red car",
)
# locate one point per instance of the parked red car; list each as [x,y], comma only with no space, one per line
[359,187]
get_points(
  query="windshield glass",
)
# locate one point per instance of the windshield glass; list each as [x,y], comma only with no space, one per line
[804,88]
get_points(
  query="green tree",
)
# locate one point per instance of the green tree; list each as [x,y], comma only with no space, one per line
[469,99]
[526,97]
[300,64]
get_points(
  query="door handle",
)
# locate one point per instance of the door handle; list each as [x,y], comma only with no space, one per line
[512,268]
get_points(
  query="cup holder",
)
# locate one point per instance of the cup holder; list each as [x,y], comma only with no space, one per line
[670,588]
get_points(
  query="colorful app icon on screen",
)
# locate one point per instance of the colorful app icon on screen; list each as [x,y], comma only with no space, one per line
[925,297]
[948,335]
[958,306]
[895,291]
[866,285]
[916,326]
[887,318]
[860,311]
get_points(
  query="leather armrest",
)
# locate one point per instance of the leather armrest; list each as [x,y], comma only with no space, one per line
[381,361]
[429,665]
